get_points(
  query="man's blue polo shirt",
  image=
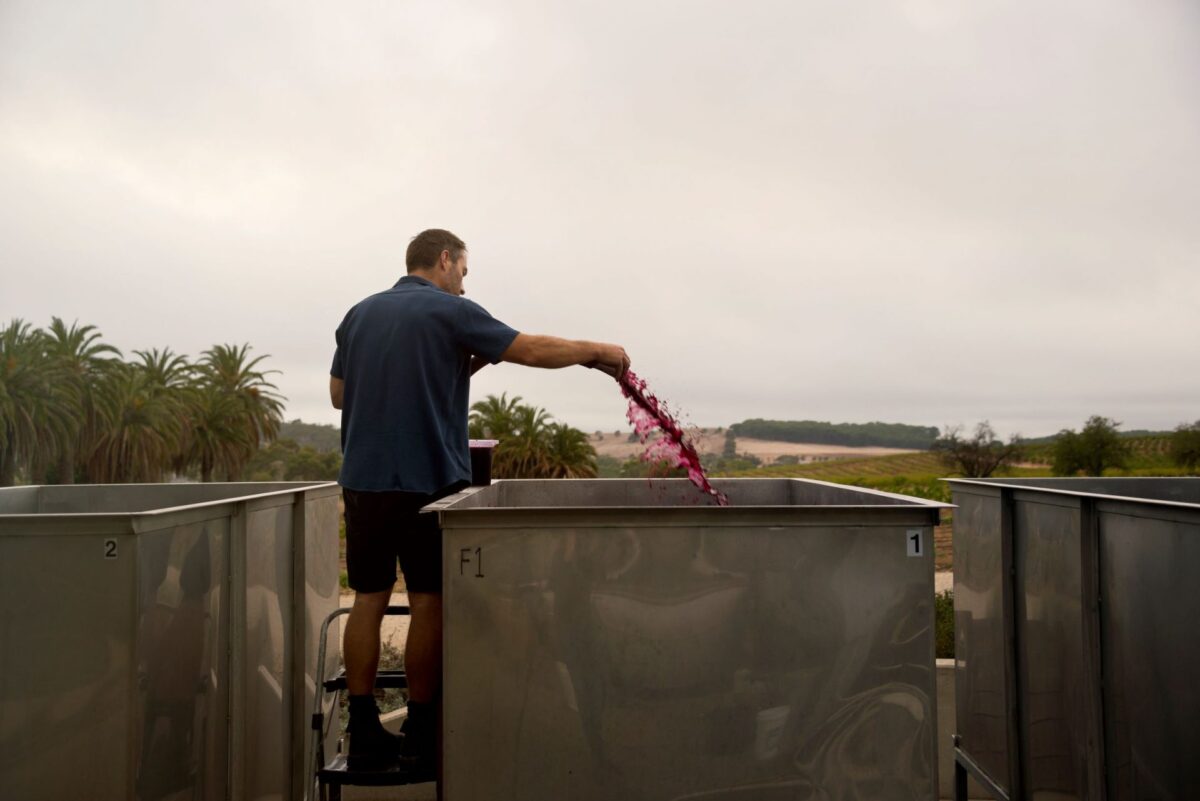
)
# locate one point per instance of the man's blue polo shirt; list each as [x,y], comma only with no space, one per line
[405,355]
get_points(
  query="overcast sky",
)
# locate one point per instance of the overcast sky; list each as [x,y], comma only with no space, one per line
[926,211]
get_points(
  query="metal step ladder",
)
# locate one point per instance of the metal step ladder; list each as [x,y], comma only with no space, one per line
[331,773]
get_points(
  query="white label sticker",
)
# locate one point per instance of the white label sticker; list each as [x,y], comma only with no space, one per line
[916,542]
[110,549]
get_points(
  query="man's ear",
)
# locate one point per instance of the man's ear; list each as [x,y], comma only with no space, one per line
[444,260]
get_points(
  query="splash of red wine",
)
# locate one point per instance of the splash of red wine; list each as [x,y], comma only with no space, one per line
[648,413]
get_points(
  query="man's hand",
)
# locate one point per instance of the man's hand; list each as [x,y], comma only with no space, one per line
[612,359]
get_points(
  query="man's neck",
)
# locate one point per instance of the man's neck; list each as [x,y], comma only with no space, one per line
[428,275]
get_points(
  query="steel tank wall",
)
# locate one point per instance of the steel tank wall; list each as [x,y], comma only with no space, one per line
[1150,564]
[180,639]
[68,669]
[160,651]
[983,674]
[318,587]
[606,640]
[1099,669]
[1052,660]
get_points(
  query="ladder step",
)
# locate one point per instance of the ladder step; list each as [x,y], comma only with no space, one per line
[384,680]
[338,772]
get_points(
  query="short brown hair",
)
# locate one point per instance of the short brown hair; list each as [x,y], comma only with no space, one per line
[427,246]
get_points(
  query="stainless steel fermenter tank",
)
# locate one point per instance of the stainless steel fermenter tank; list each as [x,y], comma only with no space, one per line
[1077,603]
[159,641]
[624,639]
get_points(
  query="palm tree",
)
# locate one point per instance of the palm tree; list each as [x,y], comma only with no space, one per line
[88,367]
[174,381]
[67,401]
[228,370]
[166,371]
[531,446]
[569,454]
[523,453]
[145,436]
[494,418]
[216,437]
[38,410]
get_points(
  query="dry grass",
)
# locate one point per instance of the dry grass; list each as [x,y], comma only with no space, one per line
[943,547]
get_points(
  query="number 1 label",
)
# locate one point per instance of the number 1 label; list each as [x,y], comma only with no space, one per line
[916,542]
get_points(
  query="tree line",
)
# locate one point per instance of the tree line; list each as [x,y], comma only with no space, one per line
[301,452]
[1096,447]
[884,435]
[288,459]
[530,445]
[74,409]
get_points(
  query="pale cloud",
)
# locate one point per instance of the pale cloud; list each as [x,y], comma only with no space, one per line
[924,211]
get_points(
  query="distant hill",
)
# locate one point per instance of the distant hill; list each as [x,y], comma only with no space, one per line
[322,438]
[884,435]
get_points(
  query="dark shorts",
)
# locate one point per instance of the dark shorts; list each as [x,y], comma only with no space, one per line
[383,527]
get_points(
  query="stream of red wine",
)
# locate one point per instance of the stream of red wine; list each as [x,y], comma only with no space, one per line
[647,414]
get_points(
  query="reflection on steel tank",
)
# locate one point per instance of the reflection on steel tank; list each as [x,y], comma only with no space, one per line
[874,685]
[683,630]
[645,632]
[173,677]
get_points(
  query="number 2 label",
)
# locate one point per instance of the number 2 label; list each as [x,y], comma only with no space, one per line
[916,542]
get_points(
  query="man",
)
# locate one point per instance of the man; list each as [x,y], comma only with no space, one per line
[401,376]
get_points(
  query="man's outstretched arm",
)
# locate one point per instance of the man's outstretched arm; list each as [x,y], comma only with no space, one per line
[336,389]
[534,350]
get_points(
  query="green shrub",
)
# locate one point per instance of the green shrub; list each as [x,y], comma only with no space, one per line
[608,467]
[1097,447]
[943,624]
[726,465]
[1185,446]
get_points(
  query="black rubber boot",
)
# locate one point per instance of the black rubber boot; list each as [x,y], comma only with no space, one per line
[418,755]
[372,747]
